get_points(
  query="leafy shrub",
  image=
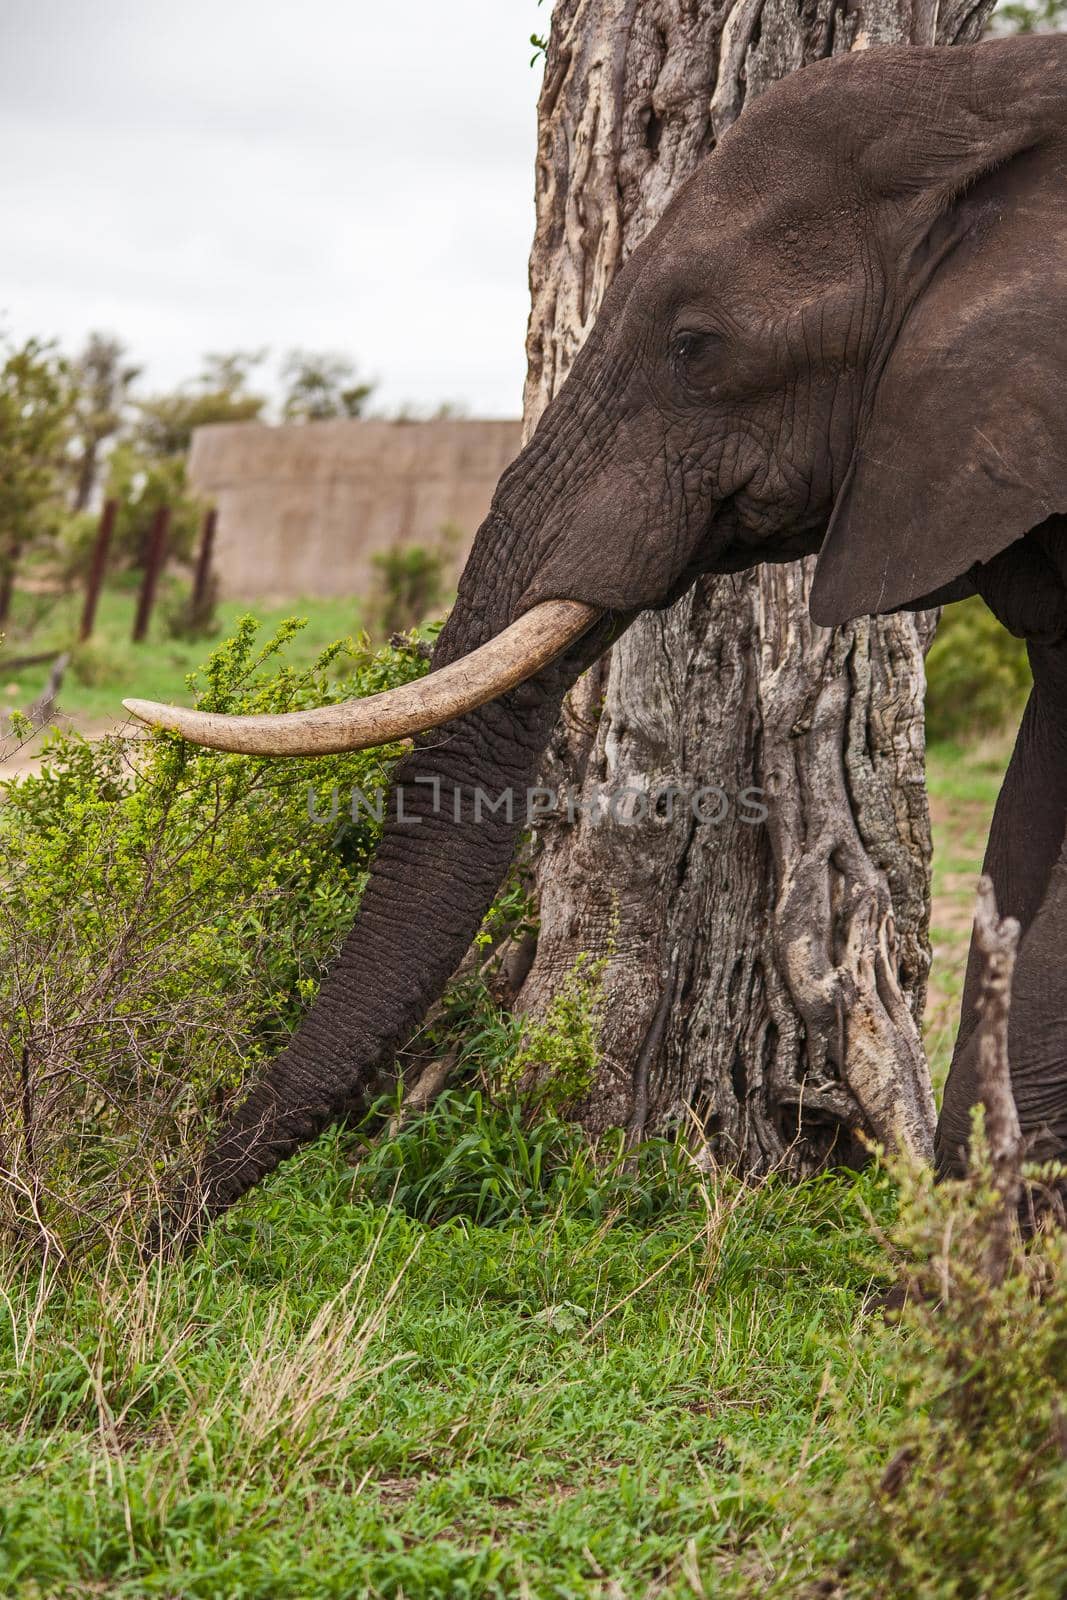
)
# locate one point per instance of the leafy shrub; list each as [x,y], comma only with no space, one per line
[94,665]
[165,915]
[977,674]
[974,1500]
[73,550]
[560,1052]
[409,586]
[186,618]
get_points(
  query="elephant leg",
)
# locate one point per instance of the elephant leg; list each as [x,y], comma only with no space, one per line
[1037,1028]
[1026,858]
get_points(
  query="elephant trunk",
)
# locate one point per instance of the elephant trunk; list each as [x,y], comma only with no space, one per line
[455,810]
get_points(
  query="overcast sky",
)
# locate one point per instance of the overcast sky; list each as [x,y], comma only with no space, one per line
[208,175]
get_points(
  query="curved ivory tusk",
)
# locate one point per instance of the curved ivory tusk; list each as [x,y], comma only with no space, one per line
[524,647]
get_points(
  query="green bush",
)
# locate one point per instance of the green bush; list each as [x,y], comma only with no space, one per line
[977,675]
[185,617]
[409,585]
[94,665]
[558,1056]
[165,915]
[959,1490]
[973,1499]
[73,550]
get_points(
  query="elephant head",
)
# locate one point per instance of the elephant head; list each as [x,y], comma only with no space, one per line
[851,313]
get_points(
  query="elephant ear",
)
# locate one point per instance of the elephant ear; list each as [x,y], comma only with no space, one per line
[965,444]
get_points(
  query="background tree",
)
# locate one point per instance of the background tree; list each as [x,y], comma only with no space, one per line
[1029,16]
[142,483]
[147,468]
[35,399]
[320,385]
[767,981]
[442,411]
[102,376]
[164,424]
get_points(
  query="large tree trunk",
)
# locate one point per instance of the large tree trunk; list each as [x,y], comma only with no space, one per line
[794,952]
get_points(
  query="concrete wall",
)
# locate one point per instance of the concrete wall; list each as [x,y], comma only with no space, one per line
[302,509]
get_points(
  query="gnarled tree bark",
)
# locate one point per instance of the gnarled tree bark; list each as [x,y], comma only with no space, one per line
[795,951]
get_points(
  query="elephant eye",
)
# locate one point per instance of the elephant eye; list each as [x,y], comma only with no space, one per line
[688,347]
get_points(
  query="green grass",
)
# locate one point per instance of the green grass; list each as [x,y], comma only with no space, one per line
[111,667]
[336,1399]
[480,1364]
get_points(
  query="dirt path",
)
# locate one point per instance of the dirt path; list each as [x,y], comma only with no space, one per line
[17,759]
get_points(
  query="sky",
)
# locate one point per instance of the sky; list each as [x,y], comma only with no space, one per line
[212,175]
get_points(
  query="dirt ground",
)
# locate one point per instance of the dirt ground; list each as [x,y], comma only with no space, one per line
[17,759]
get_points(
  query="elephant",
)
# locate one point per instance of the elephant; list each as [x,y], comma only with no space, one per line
[846,337]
